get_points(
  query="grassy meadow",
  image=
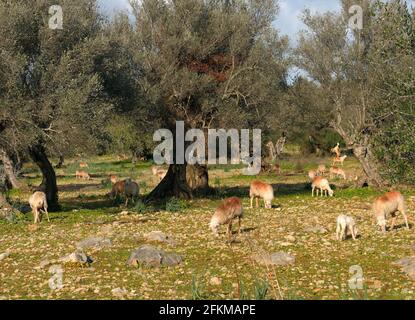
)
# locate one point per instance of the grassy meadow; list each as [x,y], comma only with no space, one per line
[212,268]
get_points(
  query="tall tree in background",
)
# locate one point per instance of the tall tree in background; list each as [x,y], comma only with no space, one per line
[210,64]
[365,81]
[52,95]
[337,60]
[392,59]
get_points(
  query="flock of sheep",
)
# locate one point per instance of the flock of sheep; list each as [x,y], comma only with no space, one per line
[124,188]
[231,209]
[389,204]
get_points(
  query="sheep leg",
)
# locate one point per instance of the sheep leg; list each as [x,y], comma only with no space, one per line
[47,214]
[252,202]
[312,191]
[338,232]
[35,215]
[353,231]
[230,231]
[393,221]
[405,217]
[239,225]
[342,233]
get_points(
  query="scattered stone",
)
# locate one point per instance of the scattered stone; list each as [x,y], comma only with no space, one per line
[106,229]
[45,263]
[76,257]
[290,238]
[8,214]
[4,255]
[407,265]
[277,258]
[124,213]
[315,229]
[94,242]
[158,236]
[118,292]
[215,281]
[32,227]
[376,284]
[149,256]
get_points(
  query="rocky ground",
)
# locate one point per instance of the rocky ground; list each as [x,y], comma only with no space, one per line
[95,249]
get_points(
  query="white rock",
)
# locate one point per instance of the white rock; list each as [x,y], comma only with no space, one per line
[215,281]
[118,292]
[4,255]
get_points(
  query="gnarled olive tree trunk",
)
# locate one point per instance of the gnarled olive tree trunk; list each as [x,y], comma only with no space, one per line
[369,164]
[182,181]
[9,170]
[49,184]
[361,146]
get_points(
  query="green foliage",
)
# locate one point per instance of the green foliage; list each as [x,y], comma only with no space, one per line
[197,289]
[140,207]
[392,52]
[143,186]
[175,205]
[217,182]
[361,84]
[261,289]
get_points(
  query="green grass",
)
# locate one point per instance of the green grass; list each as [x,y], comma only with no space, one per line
[321,270]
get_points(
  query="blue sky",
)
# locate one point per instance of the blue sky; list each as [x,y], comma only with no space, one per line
[288,21]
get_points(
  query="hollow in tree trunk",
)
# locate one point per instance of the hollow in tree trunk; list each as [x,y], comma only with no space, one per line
[48,185]
[362,150]
[60,162]
[182,181]
[367,160]
[9,170]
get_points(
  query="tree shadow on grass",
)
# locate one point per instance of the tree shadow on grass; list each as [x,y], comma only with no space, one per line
[243,191]
[79,187]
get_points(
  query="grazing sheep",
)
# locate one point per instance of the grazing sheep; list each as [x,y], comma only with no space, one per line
[334,171]
[227,211]
[389,204]
[121,157]
[344,224]
[131,190]
[323,185]
[339,159]
[262,190]
[336,150]
[117,189]
[113,178]
[39,202]
[312,174]
[161,173]
[277,168]
[83,165]
[82,175]
[321,170]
